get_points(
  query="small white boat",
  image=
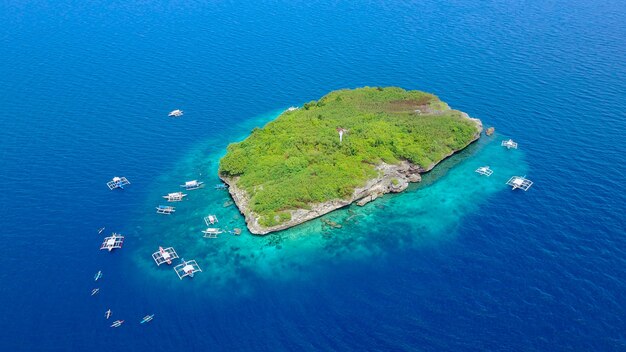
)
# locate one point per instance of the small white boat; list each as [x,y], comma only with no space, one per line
[117,323]
[95,291]
[187,268]
[519,182]
[193,184]
[175,197]
[118,182]
[107,314]
[115,241]
[97,276]
[164,255]
[211,232]
[146,319]
[484,170]
[210,220]
[175,113]
[100,230]
[165,209]
[509,144]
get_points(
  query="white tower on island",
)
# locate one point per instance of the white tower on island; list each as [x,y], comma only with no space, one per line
[341,132]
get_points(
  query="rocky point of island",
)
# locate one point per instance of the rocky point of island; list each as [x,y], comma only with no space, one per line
[349,146]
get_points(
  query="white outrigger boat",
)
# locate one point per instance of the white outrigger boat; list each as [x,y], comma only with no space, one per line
[186,268]
[519,182]
[112,242]
[165,209]
[107,314]
[118,182]
[164,255]
[211,232]
[175,113]
[147,319]
[175,197]
[117,323]
[210,220]
[95,291]
[193,184]
[484,170]
[97,276]
[509,144]
[100,230]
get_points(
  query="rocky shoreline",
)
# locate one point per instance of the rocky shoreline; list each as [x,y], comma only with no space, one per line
[391,179]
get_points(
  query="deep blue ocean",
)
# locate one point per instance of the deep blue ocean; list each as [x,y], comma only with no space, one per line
[456,263]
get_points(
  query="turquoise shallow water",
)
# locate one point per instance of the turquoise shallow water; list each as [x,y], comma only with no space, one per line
[427,213]
[456,263]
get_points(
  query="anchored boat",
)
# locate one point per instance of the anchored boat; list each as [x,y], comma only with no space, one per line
[485,171]
[509,144]
[193,184]
[146,319]
[175,197]
[95,291]
[165,209]
[187,268]
[97,276]
[211,232]
[519,182]
[118,182]
[164,255]
[112,242]
[210,220]
[117,323]
[175,113]
[107,314]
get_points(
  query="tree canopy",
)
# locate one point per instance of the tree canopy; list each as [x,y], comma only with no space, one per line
[297,159]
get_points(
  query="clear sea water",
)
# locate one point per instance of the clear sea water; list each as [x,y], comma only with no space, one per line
[456,263]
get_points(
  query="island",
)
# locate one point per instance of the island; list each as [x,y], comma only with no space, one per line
[352,145]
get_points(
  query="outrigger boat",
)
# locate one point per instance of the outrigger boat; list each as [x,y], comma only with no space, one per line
[175,197]
[175,113]
[484,170]
[221,186]
[95,291]
[112,242]
[509,144]
[100,230]
[117,323]
[210,220]
[164,255]
[519,182]
[187,268]
[165,209]
[97,276]
[107,314]
[147,319]
[211,232]
[193,184]
[118,182]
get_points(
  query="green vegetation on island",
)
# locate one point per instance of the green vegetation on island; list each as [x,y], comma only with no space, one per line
[298,159]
